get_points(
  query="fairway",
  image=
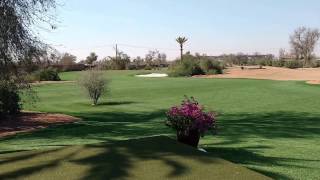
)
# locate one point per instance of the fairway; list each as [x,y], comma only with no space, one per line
[271,127]
[146,158]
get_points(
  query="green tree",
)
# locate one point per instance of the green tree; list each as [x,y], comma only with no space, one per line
[181,41]
[121,62]
[18,40]
[92,58]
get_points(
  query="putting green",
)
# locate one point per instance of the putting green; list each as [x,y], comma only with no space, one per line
[148,158]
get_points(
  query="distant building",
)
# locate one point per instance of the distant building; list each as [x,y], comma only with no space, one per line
[288,57]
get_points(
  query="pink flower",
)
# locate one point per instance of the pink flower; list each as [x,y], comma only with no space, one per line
[189,116]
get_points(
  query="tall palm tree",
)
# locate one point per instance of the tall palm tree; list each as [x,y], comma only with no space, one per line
[181,41]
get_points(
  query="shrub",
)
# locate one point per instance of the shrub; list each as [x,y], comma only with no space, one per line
[147,67]
[94,84]
[196,65]
[293,64]
[214,72]
[262,62]
[45,75]
[217,67]
[211,67]
[188,67]
[316,64]
[10,102]
[189,116]
[49,75]
[32,77]
[278,63]
[206,65]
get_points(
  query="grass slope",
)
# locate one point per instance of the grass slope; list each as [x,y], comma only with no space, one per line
[272,127]
[148,158]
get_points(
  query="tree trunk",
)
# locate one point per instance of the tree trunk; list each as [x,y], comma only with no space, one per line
[181,52]
[307,62]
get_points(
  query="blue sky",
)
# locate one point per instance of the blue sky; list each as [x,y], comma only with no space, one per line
[212,26]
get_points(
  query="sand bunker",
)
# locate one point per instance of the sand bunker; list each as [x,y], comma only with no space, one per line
[311,75]
[153,75]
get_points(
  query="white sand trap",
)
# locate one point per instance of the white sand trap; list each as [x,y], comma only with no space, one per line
[153,75]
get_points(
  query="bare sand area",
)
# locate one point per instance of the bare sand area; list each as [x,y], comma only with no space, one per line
[31,121]
[50,82]
[310,75]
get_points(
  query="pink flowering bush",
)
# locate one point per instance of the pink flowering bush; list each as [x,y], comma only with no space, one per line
[190,116]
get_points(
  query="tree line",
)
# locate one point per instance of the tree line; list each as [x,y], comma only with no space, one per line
[68,62]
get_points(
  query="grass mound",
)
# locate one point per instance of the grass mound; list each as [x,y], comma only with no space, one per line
[147,158]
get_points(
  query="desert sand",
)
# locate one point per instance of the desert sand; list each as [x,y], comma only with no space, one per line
[310,75]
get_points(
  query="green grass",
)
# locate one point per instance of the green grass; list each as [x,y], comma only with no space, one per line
[147,158]
[272,127]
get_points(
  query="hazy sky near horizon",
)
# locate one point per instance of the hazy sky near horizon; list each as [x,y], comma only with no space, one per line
[212,26]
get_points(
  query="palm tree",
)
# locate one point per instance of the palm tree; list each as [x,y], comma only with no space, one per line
[181,41]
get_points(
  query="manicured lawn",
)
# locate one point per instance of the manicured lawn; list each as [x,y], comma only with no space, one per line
[272,127]
[146,158]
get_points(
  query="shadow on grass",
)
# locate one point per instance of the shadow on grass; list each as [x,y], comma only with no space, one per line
[271,174]
[105,126]
[113,160]
[25,156]
[247,157]
[8,152]
[116,103]
[233,129]
[236,128]
[32,167]
[108,103]
[117,159]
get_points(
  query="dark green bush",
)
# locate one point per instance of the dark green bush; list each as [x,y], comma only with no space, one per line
[188,67]
[217,67]
[214,71]
[206,65]
[264,62]
[148,67]
[49,75]
[293,64]
[278,63]
[196,65]
[315,64]
[46,75]
[211,67]
[10,102]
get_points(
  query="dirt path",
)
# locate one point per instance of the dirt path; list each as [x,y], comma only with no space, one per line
[50,82]
[31,121]
[311,75]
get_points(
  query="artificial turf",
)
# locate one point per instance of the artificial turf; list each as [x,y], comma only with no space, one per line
[272,127]
[146,158]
